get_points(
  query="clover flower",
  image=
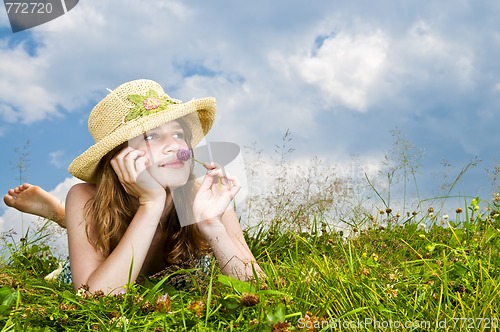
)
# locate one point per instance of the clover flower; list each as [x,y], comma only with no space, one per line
[391,291]
[120,322]
[185,155]
[198,307]
[249,299]
[163,303]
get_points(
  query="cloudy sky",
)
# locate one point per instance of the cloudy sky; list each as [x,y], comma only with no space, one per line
[339,75]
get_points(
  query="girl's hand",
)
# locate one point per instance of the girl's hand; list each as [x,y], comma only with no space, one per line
[131,168]
[214,196]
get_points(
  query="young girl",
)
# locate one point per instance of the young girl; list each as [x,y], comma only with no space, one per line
[122,221]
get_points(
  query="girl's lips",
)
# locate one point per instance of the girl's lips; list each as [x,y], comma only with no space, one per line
[173,164]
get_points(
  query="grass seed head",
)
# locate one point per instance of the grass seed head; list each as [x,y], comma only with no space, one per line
[198,307]
[163,303]
[249,299]
[280,327]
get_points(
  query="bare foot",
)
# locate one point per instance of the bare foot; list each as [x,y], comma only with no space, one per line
[34,200]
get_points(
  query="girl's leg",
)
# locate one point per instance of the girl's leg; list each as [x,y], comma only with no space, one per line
[34,200]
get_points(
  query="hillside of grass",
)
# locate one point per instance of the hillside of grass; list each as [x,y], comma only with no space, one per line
[340,253]
[409,273]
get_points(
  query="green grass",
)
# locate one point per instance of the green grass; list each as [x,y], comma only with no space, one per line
[389,273]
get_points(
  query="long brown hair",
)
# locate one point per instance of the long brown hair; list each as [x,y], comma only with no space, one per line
[111,210]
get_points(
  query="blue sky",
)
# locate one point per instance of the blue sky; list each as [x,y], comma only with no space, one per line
[339,76]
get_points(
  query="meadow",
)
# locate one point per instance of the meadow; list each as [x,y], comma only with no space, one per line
[385,269]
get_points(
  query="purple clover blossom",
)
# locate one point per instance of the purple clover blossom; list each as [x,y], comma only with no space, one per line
[184,154]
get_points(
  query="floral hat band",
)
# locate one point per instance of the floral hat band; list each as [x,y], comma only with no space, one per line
[132,109]
[146,104]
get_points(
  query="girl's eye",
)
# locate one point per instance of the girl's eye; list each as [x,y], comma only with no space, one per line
[149,137]
[179,135]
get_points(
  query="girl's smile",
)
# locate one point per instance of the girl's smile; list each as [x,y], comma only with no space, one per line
[176,163]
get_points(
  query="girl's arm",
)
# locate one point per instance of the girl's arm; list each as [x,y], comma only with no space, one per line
[230,248]
[90,267]
[219,224]
[233,228]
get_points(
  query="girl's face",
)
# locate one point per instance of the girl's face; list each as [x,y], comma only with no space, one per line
[161,145]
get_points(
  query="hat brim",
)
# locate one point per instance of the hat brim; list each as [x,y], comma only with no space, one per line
[199,115]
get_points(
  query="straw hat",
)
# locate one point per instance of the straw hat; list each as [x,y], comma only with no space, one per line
[132,109]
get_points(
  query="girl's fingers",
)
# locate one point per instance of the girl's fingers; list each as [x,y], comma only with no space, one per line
[141,164]
[207,182]
[232,184]
[117,162]
[236,186]
[216,172]
[210,179]
[128,164]
[218,178]
[209,166]
[116,168]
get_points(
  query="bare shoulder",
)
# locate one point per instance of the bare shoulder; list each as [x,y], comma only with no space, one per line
[82,190]
[77,198]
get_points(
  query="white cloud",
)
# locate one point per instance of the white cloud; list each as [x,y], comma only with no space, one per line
[423,56]
[61,190]
[86,51]
[55,159]
[269,69]
[21,88]
[345,67]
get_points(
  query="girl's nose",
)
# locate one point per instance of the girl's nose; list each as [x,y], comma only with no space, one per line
[170,145]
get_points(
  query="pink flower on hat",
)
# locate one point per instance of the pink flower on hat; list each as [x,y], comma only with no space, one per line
[151,103]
